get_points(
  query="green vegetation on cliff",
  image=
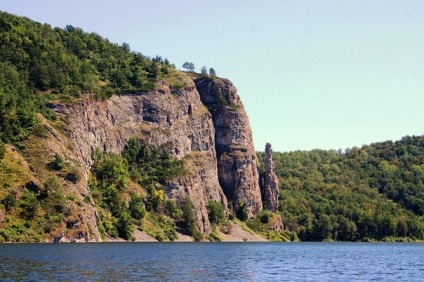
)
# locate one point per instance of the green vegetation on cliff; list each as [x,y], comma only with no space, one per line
[68,62]
[127,187]
[371,193]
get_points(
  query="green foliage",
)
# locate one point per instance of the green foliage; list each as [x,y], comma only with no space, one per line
[17,106]
[367,193]
[2,150]
[69,62]
[172,210]
[216,213]
[204,71]
[137,207]
[55,193]
[162,229]
[148,164]
[188,221]
[29,204]
[73,175]
[9,201]
[241,211]
[57,163]
[264,216]
[212,72]
[111,170]
[189,66]
[221,98]
[124,226]
[122,207]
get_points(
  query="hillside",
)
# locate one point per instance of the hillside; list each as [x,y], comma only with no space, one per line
[371,193]
[98,142]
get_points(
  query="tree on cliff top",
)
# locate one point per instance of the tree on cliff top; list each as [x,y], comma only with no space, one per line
[189,66]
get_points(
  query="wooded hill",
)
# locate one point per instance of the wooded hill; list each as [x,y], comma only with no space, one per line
[371,193]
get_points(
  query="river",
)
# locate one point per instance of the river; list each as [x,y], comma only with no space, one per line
[213,262]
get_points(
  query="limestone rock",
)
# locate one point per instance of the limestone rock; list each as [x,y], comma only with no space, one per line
[203,122]
[237,161]
[177,119]
[270,182]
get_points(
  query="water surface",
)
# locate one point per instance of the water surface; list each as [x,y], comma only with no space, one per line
[213,261]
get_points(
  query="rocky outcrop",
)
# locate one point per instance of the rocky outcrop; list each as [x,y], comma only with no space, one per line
[270,182]
[175,119]
[203,122]
[236,156]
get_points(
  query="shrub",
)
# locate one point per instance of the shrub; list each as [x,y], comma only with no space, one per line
[188,222]
[2,150]
[57,164]
[137,207]
[241,212]
[172,209]
[264,217]
[9,201]
[29,204]
[73,175]
[216,212]
[124,226]
[55,193]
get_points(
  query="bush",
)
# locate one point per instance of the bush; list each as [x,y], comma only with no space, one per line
[264,217]
[55,193]
[241,212]
[29,204]
[172,209]
[216,212]
[9,201]
[73,175]
[137,207]
[57,164]
[2,150]
[124,226]
[188,222]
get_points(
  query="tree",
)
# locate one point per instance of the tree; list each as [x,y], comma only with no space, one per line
[216,212]
[204,71]
[124,226]
[188,222]
[189,66]
[126,47]
[241,211]
[212,72]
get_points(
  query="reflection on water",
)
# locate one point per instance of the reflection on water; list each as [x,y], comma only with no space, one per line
[213,261]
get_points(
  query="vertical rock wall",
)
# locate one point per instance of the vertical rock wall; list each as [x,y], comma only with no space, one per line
[237,161]
[176,119]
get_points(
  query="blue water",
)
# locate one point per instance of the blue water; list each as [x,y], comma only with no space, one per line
[213,262]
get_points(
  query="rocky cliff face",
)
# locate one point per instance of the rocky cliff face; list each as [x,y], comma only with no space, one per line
[236,156]
[215,140]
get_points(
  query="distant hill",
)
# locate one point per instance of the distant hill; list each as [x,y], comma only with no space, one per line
[371,193]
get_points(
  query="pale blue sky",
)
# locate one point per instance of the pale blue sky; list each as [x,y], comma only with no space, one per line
[323,74]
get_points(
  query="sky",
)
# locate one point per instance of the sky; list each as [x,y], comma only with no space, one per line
[325,74]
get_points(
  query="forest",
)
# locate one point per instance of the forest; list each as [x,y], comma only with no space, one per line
[45,64]
[362,194]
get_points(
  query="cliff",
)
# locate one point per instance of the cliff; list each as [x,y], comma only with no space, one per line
[236,156]
[215,140]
